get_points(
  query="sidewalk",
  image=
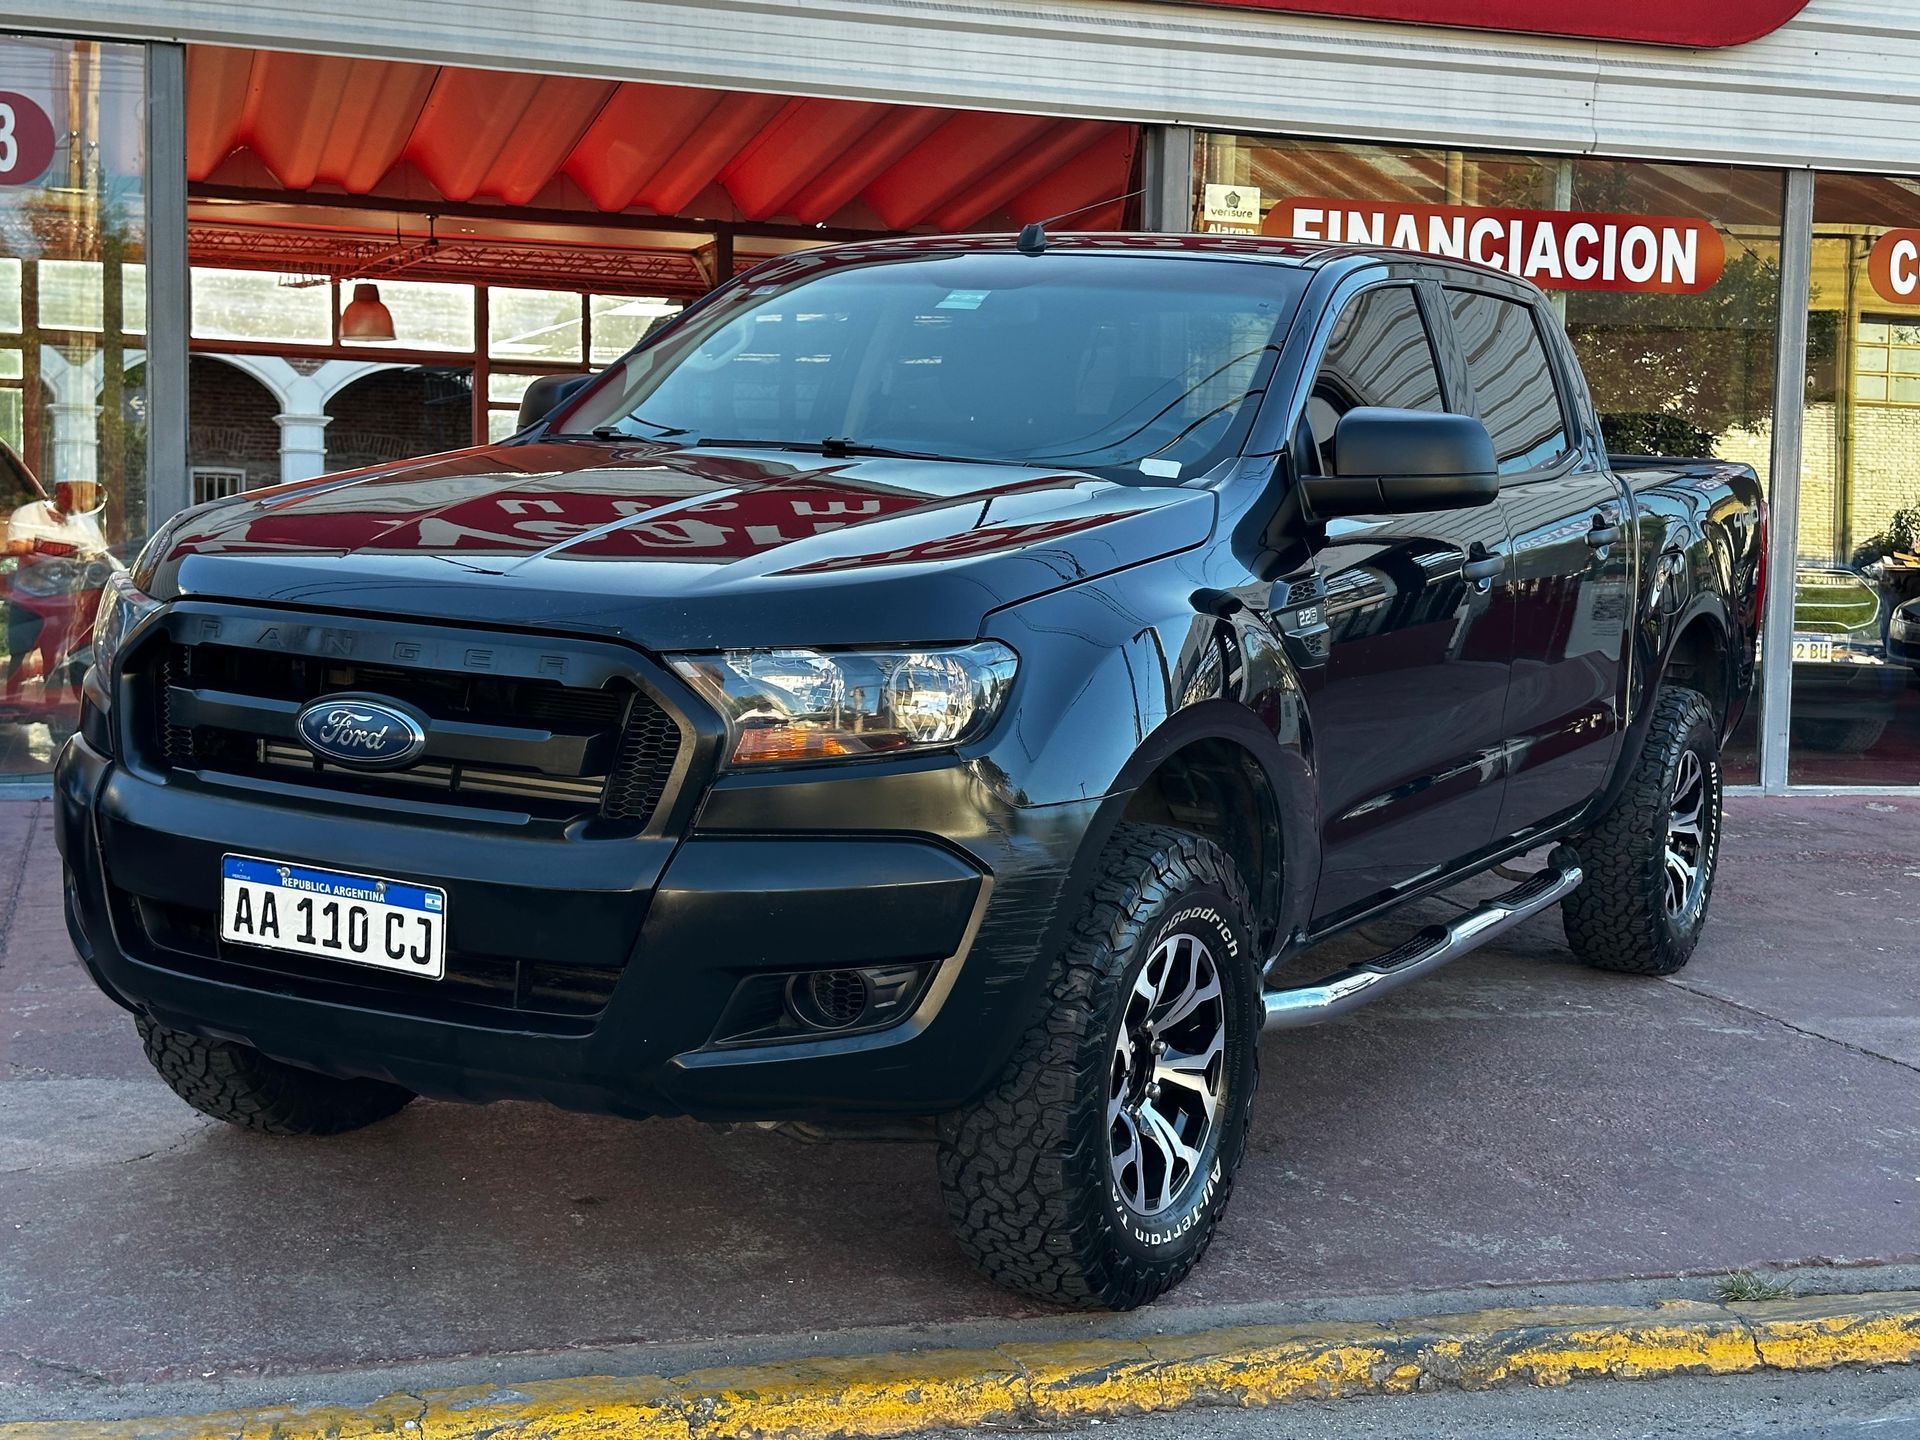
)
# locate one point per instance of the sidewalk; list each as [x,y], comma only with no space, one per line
[1513,1121]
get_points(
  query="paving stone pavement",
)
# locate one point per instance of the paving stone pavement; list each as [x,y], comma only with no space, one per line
[1512,1120]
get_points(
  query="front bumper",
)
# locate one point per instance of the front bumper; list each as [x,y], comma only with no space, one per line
[914,862]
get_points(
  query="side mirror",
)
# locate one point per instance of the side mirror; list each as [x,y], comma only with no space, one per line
[544,396]
[1397,461]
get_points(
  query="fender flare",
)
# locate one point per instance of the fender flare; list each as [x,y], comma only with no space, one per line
[1290,789]
[1660,651]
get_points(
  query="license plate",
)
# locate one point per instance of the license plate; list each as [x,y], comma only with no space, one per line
[1820,652]
[362,919]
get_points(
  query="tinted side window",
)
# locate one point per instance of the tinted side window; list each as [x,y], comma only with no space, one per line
[1379,354]
[1512,379]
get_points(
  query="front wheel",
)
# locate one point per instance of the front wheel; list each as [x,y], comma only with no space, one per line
[241,1086]
[1094,1171]
[1650,859]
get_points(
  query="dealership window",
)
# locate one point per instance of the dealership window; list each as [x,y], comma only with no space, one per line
[1666,276]
[272,332]
[72,371]
[1856,641]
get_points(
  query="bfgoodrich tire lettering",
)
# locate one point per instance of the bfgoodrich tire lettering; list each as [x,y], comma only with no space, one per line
[243,1087]
[1032,1174]
[1650,860]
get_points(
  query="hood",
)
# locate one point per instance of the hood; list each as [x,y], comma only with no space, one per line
[676,548]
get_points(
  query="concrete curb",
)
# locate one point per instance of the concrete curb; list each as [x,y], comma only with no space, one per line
[1056,1381]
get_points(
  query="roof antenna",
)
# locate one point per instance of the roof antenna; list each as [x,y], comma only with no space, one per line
[1033,238]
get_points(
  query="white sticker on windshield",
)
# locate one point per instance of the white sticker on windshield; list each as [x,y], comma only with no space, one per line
[963,300]
[1163,469]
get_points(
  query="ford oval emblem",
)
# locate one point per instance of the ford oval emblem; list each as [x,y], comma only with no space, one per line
[364,731]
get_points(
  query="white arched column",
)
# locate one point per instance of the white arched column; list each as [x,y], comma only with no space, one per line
[303,389]
[73,412]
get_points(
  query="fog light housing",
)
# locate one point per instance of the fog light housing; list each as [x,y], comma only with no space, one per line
[818,1004]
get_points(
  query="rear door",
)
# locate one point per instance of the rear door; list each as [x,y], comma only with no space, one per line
[1408,710]
[1571,570]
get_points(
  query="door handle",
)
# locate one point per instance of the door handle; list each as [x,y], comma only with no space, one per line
[1484,568]
[1605,531]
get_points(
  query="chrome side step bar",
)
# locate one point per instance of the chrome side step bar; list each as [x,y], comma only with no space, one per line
[1433,947]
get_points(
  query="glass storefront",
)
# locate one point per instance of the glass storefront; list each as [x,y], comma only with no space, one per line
[1667,275]
[72,376]
[1856,641]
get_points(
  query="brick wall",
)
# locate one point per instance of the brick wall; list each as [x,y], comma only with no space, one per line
[1885,475]
[230,421]
[389,415]
[394,414]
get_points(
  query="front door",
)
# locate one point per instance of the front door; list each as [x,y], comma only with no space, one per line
[1407,711]
[1571,571]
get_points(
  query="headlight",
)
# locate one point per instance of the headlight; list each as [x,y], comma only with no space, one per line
[784,706]
[123,605]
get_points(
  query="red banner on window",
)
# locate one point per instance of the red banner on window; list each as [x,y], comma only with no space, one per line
[1556,249]
[1707,23]
[1893,267]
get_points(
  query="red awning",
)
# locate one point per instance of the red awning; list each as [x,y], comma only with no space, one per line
[378,127]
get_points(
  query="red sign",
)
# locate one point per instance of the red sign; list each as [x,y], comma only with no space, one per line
[1556,249]
[1893,265]
[1706,23]
[26,139]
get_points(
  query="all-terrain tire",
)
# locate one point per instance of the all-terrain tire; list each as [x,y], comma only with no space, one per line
[1624,917]
[239,1085]
[1032,1186]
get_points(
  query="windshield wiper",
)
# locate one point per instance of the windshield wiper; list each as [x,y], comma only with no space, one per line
[838,448]
[614,432]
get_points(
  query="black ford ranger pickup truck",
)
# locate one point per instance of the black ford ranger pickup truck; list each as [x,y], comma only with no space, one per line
[935,680]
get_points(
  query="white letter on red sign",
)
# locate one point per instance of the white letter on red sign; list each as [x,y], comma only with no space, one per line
[1582,236]
[1485,230]
[1447,235]
[1903,267]
[1639,255]
[1544,256]
[1679,256]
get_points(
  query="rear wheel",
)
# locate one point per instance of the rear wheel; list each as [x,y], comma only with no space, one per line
[1841,737]
[1650,860]
[239,1085]
[1094,1171]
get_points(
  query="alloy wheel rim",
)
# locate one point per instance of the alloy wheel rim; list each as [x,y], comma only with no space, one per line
[1167,1076]
[1687,837]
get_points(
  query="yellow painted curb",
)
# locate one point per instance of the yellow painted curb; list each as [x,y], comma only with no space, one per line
[895,1394]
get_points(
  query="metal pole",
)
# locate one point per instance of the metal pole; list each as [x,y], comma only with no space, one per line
[1562,200]
[1789,413]
[168,279]
[1166,174]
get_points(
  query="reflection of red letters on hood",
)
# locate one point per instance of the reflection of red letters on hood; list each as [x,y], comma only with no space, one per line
[973,542]
[731,526]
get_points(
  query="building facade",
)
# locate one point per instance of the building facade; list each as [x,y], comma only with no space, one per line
[242,241]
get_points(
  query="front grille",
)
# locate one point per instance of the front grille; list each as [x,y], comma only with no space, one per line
[495,742]
[491,989]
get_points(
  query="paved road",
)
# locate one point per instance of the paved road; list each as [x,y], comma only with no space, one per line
[1513,1120]
[1844,1405]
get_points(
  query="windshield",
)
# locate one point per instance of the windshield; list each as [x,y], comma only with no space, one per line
[1087,360]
